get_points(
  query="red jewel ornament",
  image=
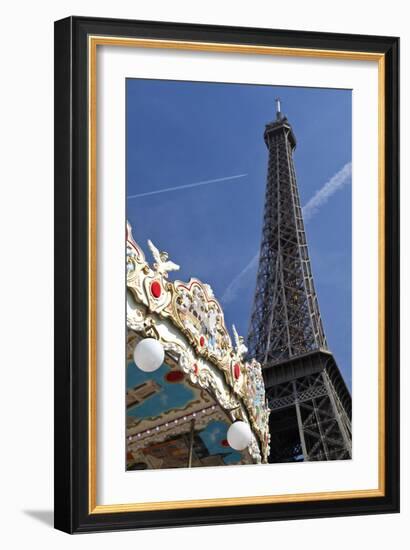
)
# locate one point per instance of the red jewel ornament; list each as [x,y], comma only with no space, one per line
[156,289]
[224,443]
[236,371]
[201,341]
[174,376]
[196,369]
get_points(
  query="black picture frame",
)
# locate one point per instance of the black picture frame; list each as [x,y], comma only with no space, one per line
[72,511]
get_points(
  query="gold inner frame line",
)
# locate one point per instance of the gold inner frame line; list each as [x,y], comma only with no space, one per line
[93,42]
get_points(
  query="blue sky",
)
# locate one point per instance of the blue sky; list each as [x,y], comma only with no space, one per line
[179,133]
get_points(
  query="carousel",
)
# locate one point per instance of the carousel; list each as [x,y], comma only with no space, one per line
[192,398]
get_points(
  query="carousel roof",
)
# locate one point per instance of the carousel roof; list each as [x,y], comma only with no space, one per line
[203,386]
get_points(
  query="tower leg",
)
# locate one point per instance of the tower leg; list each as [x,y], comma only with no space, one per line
[342,420]
[307,418]
[300,423]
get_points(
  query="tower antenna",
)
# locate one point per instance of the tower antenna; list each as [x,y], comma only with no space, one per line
[278,112]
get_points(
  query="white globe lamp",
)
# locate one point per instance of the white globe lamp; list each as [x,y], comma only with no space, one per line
[149,355]
[239,435]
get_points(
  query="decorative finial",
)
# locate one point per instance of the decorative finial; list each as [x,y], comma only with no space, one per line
[161,264]
[278,113]
[240,347]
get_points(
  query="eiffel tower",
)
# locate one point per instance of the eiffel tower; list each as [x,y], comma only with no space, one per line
[310,404]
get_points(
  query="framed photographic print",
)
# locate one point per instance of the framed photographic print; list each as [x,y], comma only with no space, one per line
[226,274]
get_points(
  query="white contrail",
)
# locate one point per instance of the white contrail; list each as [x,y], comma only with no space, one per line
[197,184]
[330,187]
[235,285]
[309,210]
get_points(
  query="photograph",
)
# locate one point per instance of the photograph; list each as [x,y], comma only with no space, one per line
[239,274]
[250,317]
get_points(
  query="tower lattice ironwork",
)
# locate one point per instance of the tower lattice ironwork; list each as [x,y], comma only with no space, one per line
[309,401]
